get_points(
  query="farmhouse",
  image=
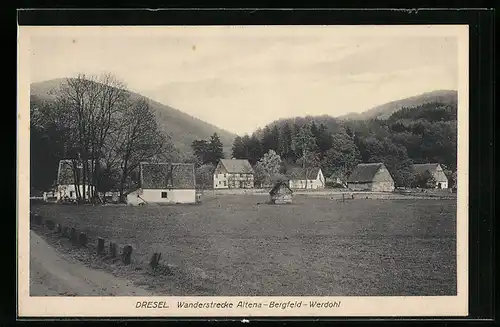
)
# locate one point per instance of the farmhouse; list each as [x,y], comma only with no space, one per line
[281,193]
[310,178]
[164,183]
[371,177]
[66,180]
[233,173]
[435,170]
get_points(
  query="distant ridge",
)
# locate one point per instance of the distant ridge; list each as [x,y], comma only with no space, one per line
[182,128]
[385,110]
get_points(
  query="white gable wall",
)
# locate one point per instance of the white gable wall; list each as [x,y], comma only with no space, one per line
[69,191]
[168,196]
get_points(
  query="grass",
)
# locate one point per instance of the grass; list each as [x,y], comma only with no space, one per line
[231,245]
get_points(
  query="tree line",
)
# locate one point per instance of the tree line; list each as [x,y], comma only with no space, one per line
[421,134]
[95,122]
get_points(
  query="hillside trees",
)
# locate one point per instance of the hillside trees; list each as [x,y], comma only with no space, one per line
[208,151]
[422,134]
[47,143]
[341,158]
[137,138]
[101,128]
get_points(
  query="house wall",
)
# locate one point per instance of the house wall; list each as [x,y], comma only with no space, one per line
[317,183]
[440,177]
[69,191]
[134,198]
[173,196]
[387,186]
[359,186]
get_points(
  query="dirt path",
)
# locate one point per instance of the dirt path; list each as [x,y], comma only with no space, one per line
[52,274]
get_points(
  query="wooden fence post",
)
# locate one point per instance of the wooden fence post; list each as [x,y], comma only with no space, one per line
[82,239]
[112,249]
[50,224]
[155,260]
[72,235]
[38,219]
[100,245]
[126,254]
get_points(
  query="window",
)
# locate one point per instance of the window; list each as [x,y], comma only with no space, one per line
[224,175]
[163,195]
[71,193]
[225,184]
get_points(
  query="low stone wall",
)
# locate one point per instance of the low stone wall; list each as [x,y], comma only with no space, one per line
[106,249]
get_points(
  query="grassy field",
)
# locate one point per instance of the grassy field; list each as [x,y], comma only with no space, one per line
[232,245]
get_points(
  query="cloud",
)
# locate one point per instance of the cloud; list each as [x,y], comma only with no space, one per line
[239,79]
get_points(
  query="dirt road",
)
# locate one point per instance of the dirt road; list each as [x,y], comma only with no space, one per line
[52,274]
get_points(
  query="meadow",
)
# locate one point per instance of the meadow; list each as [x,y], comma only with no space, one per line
[237,245]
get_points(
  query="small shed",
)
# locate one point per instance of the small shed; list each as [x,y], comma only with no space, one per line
[281,193]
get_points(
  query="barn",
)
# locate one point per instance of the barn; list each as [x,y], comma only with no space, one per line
[281,193]
[371,177]
[435,170]
[166,183]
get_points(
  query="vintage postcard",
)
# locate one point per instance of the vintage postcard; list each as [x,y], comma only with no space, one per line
[243,171]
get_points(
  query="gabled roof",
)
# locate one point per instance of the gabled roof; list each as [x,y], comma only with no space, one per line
[298,173]
[237,166]
[167,176]
[421,168]
[364,172]
[281,185]
[65,173]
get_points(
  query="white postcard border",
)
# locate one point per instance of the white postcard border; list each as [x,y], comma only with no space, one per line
[29,306]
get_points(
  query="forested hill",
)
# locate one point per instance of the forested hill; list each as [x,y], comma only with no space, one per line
[182,128]
[384,111]
[424,133]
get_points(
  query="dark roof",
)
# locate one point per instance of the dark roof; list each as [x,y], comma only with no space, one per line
[237,166]
[65,174]
[280,187]
[167,176]
[364,172]
[421,168]
[298,173]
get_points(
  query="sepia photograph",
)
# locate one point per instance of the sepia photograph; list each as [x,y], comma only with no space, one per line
[243,170]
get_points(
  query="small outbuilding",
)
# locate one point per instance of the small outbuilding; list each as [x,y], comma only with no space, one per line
[435,170]
[281,193]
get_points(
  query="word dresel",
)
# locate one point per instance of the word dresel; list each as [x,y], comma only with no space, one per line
[239,304]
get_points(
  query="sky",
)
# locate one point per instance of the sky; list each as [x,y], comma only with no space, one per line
[242,78]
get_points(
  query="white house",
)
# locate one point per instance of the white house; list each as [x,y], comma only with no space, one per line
[435,170]
[310,178]
[233,173]
[167,183]
[66,189]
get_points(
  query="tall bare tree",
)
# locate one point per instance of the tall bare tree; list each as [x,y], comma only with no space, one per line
[138,138]
[92,104]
